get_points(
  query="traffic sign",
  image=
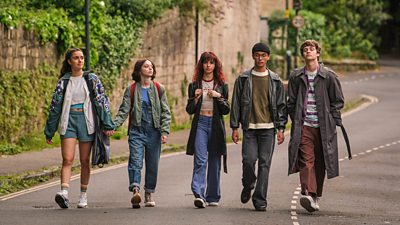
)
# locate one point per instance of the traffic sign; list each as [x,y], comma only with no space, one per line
[298,21]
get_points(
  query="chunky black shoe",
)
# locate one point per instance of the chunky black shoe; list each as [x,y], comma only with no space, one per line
[245,195]
[260,208]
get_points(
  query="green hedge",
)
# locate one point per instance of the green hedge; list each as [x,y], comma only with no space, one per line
[25,97]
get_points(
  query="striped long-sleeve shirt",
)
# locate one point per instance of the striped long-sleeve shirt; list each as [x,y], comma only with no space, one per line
[311,118]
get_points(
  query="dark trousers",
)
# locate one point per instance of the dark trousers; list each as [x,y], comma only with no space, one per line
[258,144]
[311,162]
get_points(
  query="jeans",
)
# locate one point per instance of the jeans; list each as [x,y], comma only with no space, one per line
[201,158]
[144,141]
[257,144]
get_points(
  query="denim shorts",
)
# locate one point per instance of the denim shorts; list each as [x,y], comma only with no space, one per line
[77,127]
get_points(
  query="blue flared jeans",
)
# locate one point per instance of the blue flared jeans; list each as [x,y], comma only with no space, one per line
[205,162]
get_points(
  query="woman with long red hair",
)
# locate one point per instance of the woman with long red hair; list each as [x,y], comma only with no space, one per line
[208,101]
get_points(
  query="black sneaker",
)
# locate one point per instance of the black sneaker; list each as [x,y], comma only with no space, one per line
[199,203]
[245,195]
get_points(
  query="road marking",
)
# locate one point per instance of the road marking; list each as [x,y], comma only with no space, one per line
[296,193]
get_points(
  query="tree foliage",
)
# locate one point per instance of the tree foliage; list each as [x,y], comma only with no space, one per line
[347,29]
[352,26]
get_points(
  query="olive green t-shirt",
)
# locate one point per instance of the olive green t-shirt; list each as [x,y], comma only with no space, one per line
[260,117]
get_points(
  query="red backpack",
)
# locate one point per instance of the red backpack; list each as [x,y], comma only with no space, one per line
[132,94]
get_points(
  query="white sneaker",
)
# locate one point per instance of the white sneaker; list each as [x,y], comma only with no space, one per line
[316,204]
[213,204]
[148,200]
[62,199]
[308,203]
[199,203]
[82,201]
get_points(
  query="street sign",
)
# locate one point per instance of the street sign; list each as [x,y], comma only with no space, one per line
[297,4]
[298,21]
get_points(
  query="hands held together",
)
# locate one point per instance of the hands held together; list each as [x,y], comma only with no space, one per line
[109,132]
[210,93]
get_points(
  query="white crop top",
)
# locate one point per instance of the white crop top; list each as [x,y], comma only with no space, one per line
[78,90]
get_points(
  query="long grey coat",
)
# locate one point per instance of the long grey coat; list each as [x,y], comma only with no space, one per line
[329,100]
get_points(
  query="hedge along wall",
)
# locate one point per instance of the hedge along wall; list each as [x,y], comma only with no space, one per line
[24,99]
[26,84]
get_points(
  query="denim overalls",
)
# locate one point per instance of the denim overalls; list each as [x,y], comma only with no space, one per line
[144,141]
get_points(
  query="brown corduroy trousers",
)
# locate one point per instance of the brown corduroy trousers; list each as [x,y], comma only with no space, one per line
[311,162]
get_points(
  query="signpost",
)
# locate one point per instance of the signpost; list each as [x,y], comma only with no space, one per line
[298,21]
[87,34]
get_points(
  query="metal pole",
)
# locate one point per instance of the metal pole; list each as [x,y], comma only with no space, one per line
[288,55]
[296,51]
[87,34]
[196,30]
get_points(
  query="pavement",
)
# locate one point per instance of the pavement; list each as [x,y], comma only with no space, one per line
[47,160]
[50,159]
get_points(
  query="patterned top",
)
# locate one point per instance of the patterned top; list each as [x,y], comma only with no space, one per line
[311,118]
[207,103]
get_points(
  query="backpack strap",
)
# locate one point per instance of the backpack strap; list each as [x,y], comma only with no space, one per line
[88,83]
[132,95]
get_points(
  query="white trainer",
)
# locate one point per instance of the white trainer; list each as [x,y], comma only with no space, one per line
[308,203]
[82,201]
[148,200]
[62,199]
[213,204]
[316,204]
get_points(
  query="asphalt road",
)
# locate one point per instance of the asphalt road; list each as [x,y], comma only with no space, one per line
[367,192]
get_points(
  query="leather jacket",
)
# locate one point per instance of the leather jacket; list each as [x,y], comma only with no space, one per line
[242,101]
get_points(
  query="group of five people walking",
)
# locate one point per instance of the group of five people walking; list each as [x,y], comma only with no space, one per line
[259,106]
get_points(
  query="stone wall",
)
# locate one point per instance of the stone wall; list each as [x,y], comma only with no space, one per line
[170,44]
[20,50]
